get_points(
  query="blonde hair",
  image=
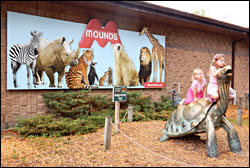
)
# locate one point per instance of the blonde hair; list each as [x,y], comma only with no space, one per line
[195,73]
[216,58]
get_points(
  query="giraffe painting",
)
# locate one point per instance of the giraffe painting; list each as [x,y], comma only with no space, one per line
[158,53]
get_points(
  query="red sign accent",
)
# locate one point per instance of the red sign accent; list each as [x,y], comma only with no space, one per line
[94,31]
[154,85]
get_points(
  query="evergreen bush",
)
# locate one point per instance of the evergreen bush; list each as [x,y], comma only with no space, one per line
[74,104]
[50,125]
[77,112]
[140,103]
[164,104]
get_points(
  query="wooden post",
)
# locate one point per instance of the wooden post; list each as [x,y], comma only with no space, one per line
[130,112]
[117,116]
[107,133]
[239,113]
[246,101]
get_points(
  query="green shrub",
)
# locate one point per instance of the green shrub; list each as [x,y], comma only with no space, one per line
[50,125]
[67,103]
[164,104]
[99,102]
[144,109]
[76,112]
[146,116]
[140,103]
[73,104]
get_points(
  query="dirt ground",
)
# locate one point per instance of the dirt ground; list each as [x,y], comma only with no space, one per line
[139,147]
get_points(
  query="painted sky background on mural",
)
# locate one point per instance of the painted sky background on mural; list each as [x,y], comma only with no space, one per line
[53,29]
[235,12]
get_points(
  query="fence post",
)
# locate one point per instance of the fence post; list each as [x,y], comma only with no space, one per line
[117,116]
[239,113]
[130,112]
[107,133]
[246,101]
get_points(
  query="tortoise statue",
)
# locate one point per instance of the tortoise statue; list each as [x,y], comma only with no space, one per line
[204,116]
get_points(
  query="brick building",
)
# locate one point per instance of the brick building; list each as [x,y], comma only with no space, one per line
[191,42]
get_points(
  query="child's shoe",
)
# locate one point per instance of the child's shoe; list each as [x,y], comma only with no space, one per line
[212,100]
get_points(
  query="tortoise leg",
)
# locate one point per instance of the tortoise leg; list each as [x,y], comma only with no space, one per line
[164,137]
[211,144]
[232,136]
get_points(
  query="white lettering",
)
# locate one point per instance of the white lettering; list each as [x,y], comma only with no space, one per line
[95,34]
[101,35]
[89,33]
[115,37]
[111,37]
[155,84]
[120,95]
[106,35]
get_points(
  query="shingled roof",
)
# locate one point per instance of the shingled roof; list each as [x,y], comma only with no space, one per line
[147,11]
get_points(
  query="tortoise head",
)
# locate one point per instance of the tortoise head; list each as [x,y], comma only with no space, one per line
[225,75]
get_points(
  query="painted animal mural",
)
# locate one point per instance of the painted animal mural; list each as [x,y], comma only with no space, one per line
[54,56]
[92,74]
[145,65]
[103,79]
[204,116]
[158,53]
[76,77]
[110,76]
[124,68]
[25,54]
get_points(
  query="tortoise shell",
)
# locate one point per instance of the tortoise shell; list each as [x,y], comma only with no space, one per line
[185,119]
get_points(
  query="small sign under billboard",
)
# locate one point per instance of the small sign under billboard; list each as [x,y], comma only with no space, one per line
[119,94]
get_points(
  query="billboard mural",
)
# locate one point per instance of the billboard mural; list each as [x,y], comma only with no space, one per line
[45,53]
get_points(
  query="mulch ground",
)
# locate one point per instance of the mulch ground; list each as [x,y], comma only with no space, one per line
[87,150]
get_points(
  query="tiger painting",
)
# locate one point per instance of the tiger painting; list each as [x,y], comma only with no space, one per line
[76,77]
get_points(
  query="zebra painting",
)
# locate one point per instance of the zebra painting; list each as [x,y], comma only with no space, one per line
[25,54]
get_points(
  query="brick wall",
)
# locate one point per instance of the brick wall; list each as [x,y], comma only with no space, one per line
[186,49]
[241,79]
